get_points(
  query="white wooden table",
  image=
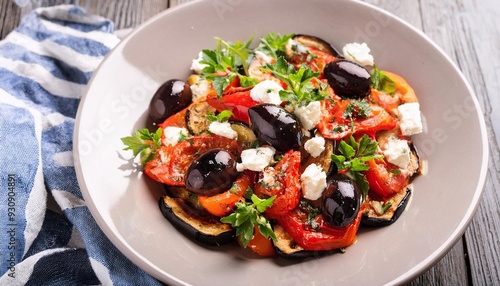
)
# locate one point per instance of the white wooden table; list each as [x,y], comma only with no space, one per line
[469,32]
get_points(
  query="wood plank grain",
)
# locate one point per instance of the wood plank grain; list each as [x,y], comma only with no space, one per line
[466,33]
[10,15]
[452,268]
[124,14]
[482,68]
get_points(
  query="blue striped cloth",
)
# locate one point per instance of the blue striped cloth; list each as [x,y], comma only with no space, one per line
[48,236]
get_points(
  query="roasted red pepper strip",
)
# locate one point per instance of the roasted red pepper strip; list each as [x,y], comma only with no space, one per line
[170,163]
[261,245]
[223,203]
[235,99]
[325,238]
[286,186]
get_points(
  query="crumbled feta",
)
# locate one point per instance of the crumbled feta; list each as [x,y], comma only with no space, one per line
[196,66]
[222,129]
[308,115]
[315,146]
[409,116]
[266,91]
[199,89]
[268,177]
[397,152]
[295,46]
[313,181]
[359,53]
[172,135]
[256,159]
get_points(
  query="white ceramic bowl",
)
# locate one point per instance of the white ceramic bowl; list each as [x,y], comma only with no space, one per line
[125,203]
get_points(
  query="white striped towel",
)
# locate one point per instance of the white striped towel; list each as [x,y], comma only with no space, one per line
[48,236]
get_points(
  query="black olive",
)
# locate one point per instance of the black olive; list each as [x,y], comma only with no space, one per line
[275,126]
[211,173]
[170,98]
[348,79]
[341,200]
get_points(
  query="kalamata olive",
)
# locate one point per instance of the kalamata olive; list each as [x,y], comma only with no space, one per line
[348,79]
[170,98]
[275,126]
[211,173]
[341,200]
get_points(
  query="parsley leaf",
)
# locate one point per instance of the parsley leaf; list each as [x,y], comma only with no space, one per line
[301,89]
[357,108]
[380,81]
[274,45]
[144,143]
[226,62]
[223,116]
[353,157]
[247,216]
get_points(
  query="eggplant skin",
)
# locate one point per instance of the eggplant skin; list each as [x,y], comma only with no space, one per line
[287,248]
[197,225]
[371,221]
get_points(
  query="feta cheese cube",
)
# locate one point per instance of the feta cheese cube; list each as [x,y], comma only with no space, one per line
[172,135]
[397,152]
[313,182]
[308,115]
[266,91]
[359,53]
[222,129]
[196,66]
[256,159]
[410,120]
[315,146]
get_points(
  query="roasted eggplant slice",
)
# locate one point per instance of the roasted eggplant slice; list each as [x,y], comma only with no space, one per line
[196,114]
[246,136]
[315,42]
[376,215]
[287,248]
[324,159]
[198,225]
[414,166]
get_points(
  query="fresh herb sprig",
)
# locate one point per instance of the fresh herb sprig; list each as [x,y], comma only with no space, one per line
[353,158]
[143,143]
[223,64]
[357,108]
[247,215]
[223,116]
[300,87]
[380,81]
[274,45]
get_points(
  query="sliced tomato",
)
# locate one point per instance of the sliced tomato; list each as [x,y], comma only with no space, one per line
[323,238]
[382,181]
[260,244]
[334,125]
[170,164]
[235,99]
[222,204]
[285,186]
